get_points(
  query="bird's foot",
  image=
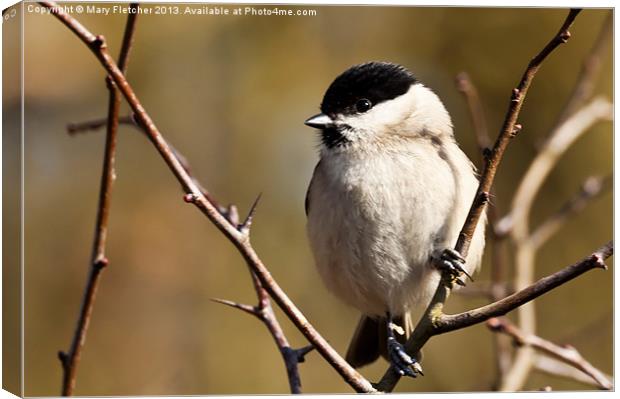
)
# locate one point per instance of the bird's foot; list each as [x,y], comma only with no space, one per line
[401,361]
[453,264]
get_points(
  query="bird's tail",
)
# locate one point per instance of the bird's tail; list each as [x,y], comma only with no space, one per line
[370,339]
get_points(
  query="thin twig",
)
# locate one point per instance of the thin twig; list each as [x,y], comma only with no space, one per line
[194,195]
[476,112]
[264,312]
[96,124]
[517,221]
[495,243]
[439,323]
[590,69]
[447,323]
[70,360]
[591,188]
[510,128]
[525,249]
[523,200]
[554,367]
[566,353]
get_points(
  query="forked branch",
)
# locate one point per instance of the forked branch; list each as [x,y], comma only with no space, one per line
[70,359]
[195,196]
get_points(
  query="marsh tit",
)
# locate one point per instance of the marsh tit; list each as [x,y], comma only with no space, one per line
[386,203]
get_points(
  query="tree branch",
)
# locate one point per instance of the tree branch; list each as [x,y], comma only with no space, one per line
[440,323]
[476,113]
[447,323]
[549,365]
[96,124]
[70,360]
[566,353]
[195,196]
[589,71]
[425,327]
[264,312]
[518,220]
[495,243]
[509,129]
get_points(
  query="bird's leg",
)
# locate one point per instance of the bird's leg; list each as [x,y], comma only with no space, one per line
[399,359]
[452,263]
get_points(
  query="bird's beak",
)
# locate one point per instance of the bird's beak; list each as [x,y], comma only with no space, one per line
[319,121]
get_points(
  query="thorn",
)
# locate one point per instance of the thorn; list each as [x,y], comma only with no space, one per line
[190,198]
[515,130]
[516,95]
[483,197]
[460,282]
[565,36]
[247,223]
[302,352]
[598,261]
[99,42]
[63,357]
[486,153]
[241,306]
[417,368]
[100,263]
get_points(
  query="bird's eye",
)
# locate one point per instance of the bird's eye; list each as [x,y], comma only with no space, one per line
[363,105]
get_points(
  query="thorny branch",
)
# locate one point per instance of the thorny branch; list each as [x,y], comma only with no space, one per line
[438,323]
[516,223]
[264,312]
[70,360]
[195,196]
[425,328]
[566,353]
[527,243]
[495,243]
[509,129]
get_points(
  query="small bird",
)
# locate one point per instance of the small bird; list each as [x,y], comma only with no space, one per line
[386,203]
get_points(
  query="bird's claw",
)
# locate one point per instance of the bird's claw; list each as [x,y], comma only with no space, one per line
[404,364]
[454,264]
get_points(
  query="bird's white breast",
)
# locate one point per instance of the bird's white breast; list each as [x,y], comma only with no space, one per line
[378,213]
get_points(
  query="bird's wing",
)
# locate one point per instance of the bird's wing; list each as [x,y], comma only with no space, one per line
[307,201]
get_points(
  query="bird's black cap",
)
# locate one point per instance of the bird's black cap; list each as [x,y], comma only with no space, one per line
[375,81]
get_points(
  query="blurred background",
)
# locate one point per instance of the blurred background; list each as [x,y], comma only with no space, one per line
[231,93]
